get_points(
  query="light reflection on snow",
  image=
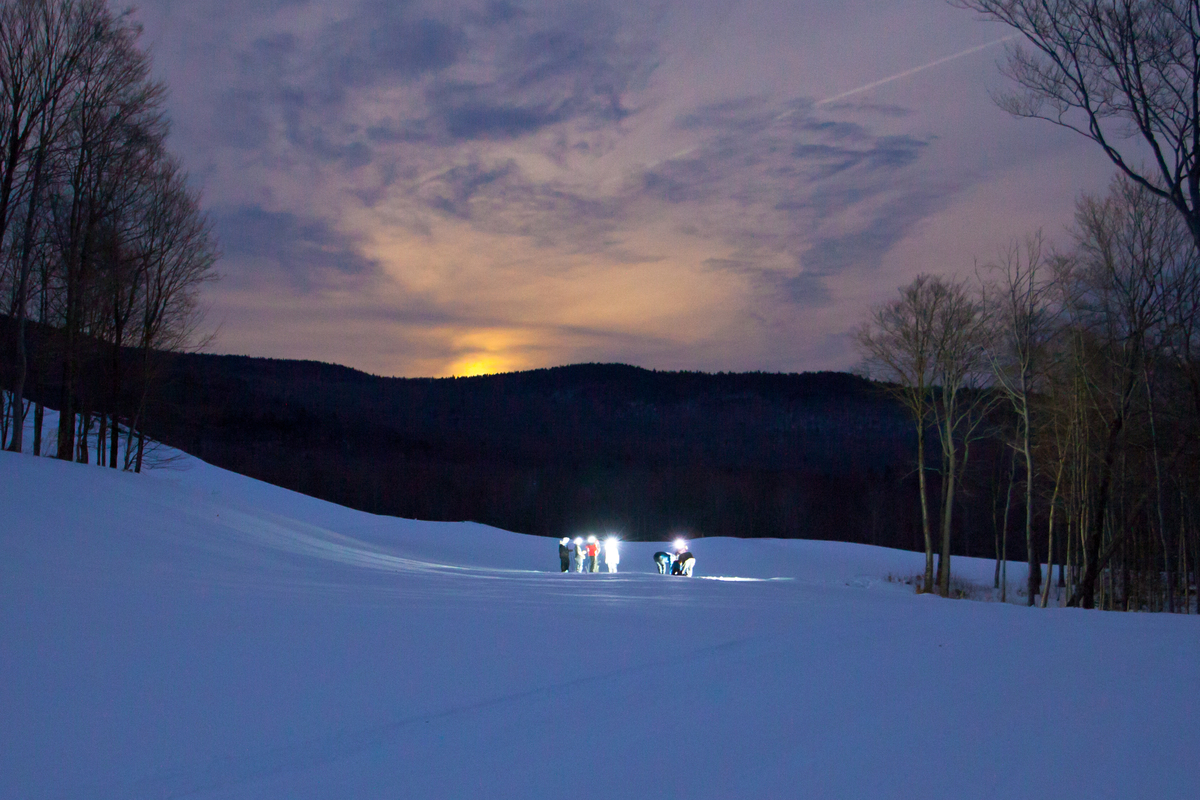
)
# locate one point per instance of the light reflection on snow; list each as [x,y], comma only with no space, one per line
[732,579]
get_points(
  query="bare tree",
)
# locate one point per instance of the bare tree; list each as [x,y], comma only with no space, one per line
[41,45]
[177,252]
[899,344]
[113,237]
[961,332]
[1124,73]
[1122,259]
[927,342]
[1023,321]
[115,119]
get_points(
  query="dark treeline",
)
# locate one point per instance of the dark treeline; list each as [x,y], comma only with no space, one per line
[581,448]
[570,449]
[1093,348]
[1083,365]
[101,238]
[588,447]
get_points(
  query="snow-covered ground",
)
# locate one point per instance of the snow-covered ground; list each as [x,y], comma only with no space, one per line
[194,633]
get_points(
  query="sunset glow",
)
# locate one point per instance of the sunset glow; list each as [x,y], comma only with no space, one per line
[392,184]
[486,365]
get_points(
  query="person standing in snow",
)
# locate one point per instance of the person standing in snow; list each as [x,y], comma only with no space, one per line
[684,560]
[611,556]
[580,549]
[564,554]
[593,549]
[662,560]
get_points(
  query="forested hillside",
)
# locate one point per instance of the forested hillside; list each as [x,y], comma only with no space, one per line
[591,447]
[564,450]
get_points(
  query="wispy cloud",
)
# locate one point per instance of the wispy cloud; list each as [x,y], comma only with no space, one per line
[308,250]
[793,199]
[796,197]
[384,72]
[669,183]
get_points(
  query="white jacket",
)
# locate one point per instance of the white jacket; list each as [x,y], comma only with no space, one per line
[611,556]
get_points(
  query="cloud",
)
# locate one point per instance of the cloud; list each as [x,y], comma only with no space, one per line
[500,198]
[797,195]
[496,165]
[575,65]
[385,44]
[307,249]
[784,199]
[384,74]
[454,190]
[785,196]
[864,107]
[465,113]
[681,181]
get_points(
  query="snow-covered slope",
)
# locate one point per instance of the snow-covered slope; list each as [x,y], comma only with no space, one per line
[194,633]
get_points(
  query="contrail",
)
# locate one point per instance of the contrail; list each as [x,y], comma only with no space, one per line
[868,87]
[912,71]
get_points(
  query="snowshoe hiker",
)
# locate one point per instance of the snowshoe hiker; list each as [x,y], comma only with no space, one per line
[564,554]
[611,556]
[684,560]
[593,550]
[580,553]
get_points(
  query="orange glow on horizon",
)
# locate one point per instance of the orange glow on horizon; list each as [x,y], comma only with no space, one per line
[472,366]
[487,352]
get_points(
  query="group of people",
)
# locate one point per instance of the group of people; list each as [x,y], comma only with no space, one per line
[587,553]
[680,562]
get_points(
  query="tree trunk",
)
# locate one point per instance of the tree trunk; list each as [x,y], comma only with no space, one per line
[1012,476]
[39,414]
[66,407]
[85,429]
[5,403]
[927,584]
[114,441]
[949,481]
[1162,524]
[996,523]
[101,439]
[26,266]
[996,577]
[1034,583]
[1183,563]
[1050,542]
[1084,594]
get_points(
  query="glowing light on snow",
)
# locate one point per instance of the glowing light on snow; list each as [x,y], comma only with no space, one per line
[733,580]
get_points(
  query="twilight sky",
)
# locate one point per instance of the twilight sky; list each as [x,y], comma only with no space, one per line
[455,187]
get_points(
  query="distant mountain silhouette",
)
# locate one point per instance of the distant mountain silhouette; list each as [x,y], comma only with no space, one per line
[588,447]
[568,450]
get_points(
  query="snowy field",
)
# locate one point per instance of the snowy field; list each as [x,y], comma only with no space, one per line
[194,633]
